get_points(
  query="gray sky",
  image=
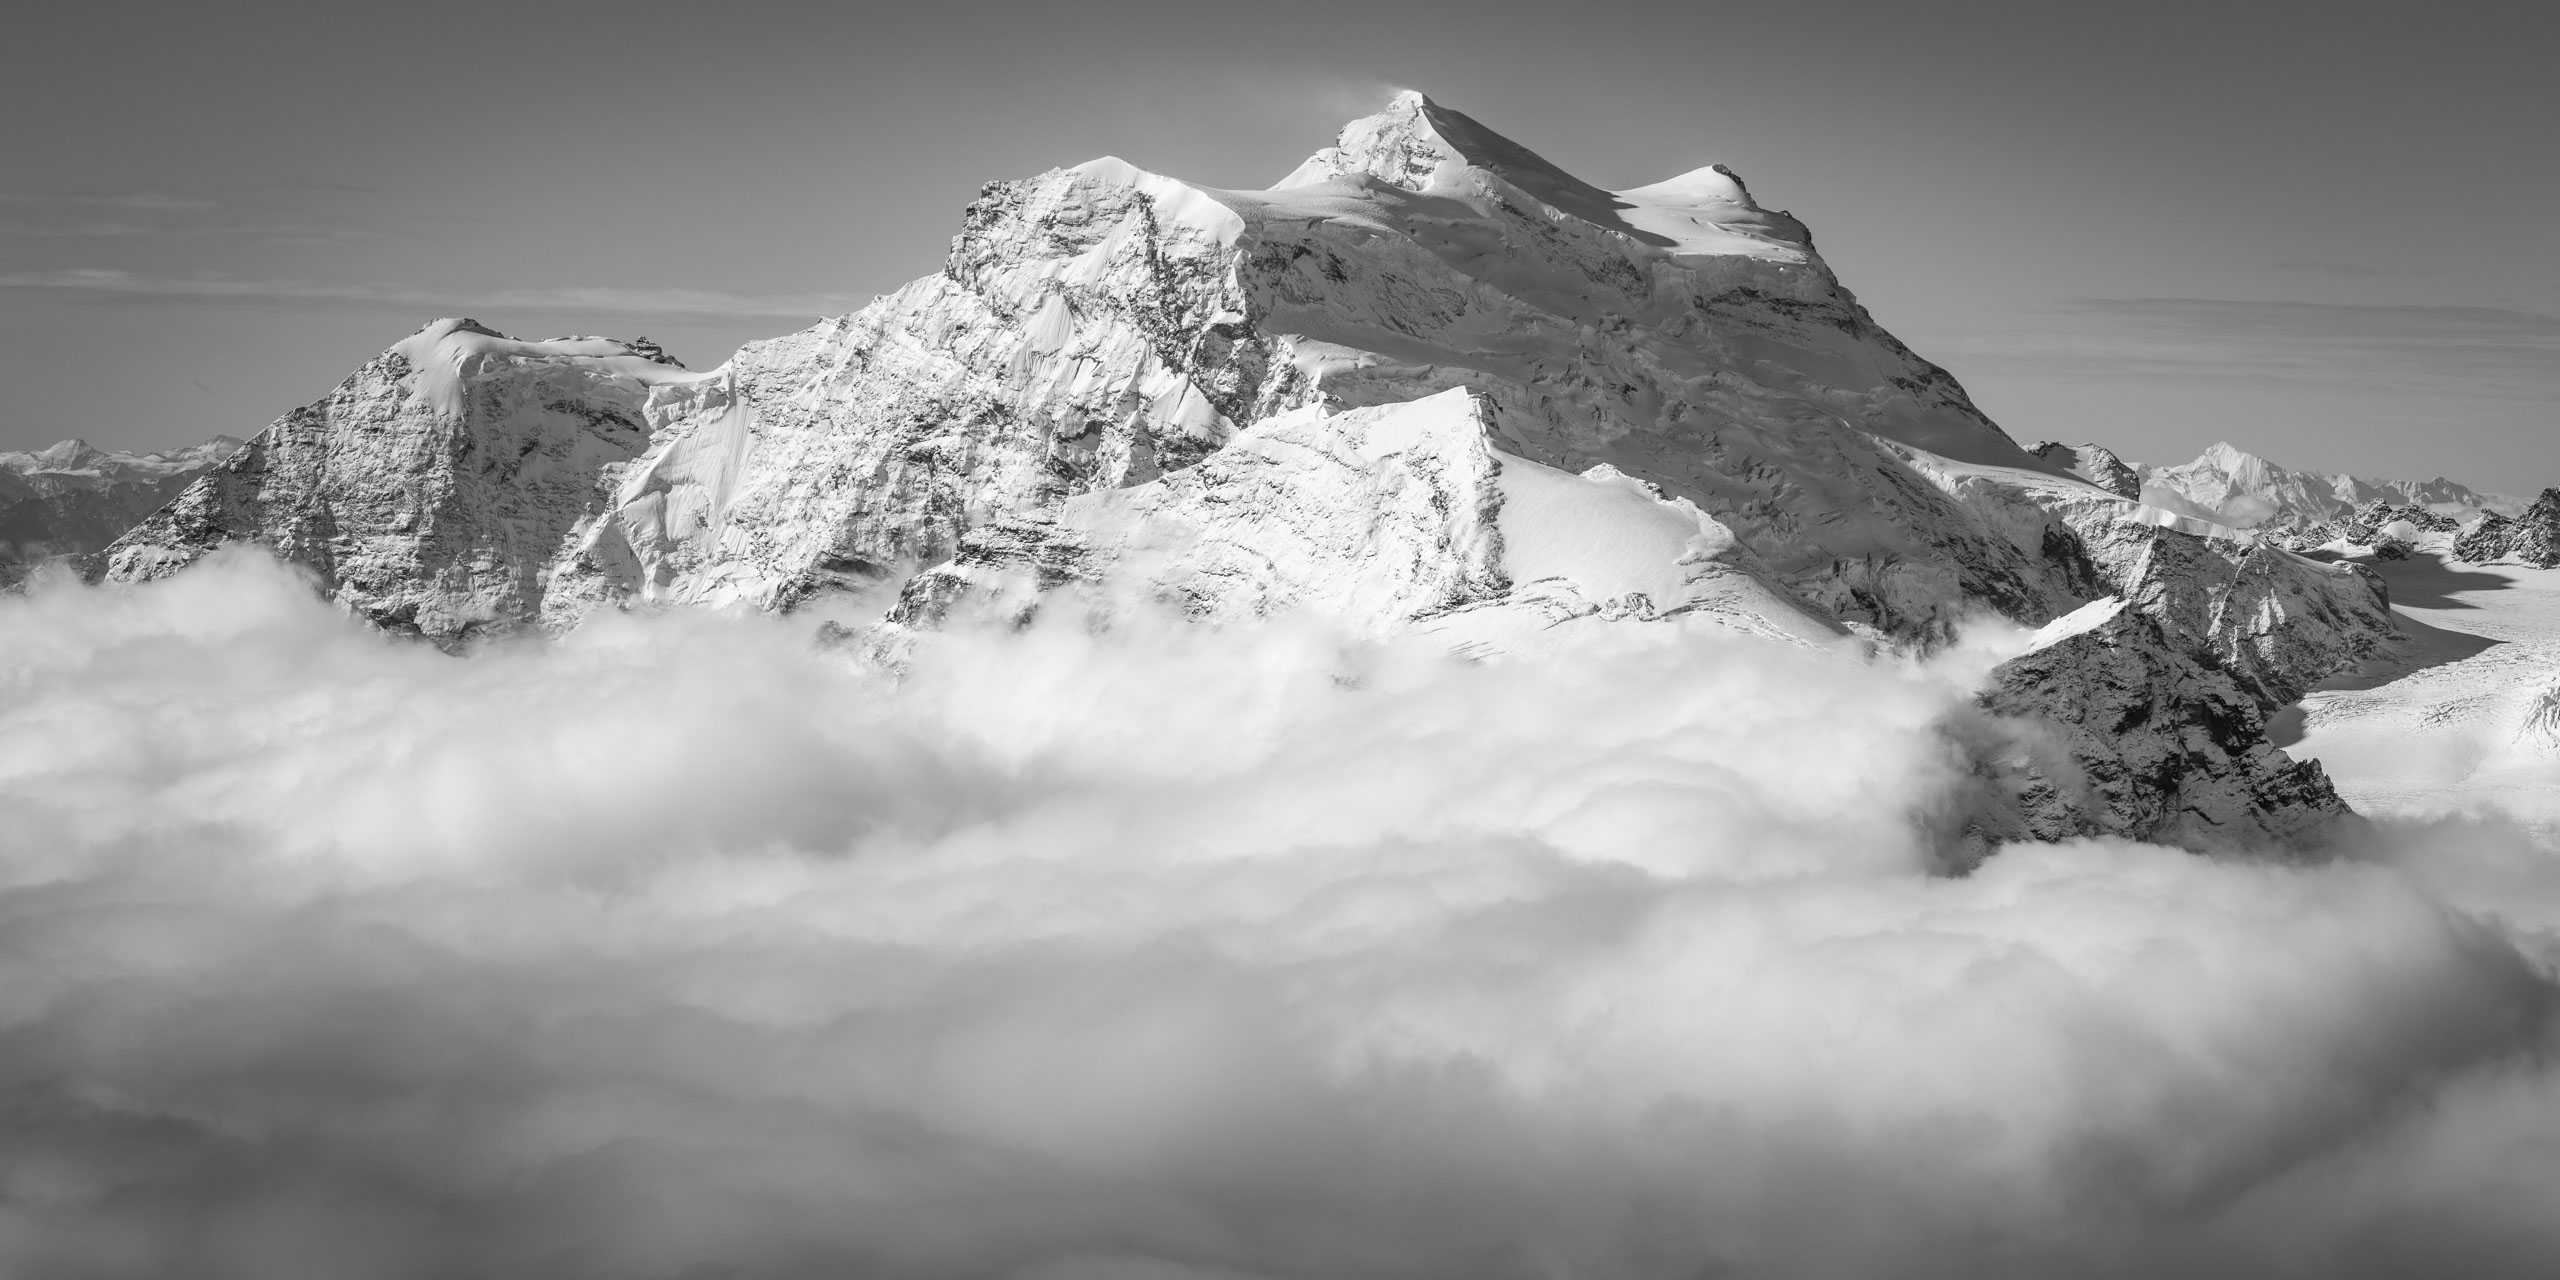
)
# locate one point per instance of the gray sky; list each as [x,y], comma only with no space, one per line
[2323,231]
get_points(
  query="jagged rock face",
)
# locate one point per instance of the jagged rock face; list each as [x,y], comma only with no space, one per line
[2535,538]
[1085,333]
[431,490]
[2094,463]
[70,499]
[2113,732]
[2532,538]
[2275,621]
[2485,540]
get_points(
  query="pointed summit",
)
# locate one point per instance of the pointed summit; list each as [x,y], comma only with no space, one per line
[68,455]
[1418,145]
[2228,457]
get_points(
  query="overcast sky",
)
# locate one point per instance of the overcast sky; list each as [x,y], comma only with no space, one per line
[2323,231]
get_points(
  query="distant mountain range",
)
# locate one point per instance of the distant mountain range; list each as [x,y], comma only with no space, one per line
[2244,491]
[2313,511]
[70,499]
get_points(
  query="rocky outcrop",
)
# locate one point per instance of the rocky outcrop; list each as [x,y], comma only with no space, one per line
[70,499]
[2096,464]
[2532,538]
[2105,730]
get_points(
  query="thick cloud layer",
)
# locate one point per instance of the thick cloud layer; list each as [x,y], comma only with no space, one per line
[686,948]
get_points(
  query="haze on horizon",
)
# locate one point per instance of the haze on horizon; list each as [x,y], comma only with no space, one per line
[2319,231]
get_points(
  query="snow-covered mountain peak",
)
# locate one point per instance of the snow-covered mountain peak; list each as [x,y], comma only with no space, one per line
[1706,184]
[2232,460]
[66,455]
[1419,146]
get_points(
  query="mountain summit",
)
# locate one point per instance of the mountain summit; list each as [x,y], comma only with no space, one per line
[1429,381]
[1420,146]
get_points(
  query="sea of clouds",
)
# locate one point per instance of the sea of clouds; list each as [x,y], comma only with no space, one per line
[687,947]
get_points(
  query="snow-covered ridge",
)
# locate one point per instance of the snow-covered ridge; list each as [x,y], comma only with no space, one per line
[1420,146]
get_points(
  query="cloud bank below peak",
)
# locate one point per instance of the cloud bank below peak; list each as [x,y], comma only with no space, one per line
[685,946]
[103,284]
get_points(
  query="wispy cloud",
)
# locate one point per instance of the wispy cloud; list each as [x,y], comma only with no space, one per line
[599,300]
[2332,321]
[2337,269]
[152,215]
[2492,352]
[113,229]
[150,201]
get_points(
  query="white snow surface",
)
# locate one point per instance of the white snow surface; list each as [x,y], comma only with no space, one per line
[2458,716]
[2081,621]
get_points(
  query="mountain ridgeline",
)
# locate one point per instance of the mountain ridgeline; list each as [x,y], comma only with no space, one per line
[1427,382]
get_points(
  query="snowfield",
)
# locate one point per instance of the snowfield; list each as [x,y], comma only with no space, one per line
[2463,715]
